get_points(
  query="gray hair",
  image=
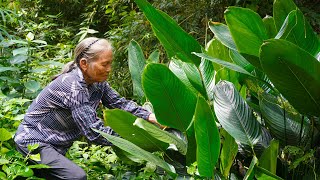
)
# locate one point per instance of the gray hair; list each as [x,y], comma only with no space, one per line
[88,48]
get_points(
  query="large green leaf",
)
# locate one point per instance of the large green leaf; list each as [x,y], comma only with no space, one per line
[207,137]
[173,102]
[122,123]
[235,115]
[224,63]
[162,135]
[247,30]
[268,159]
[217,50]
[229,151]
[207,71]
[173,38]
[285,126]
[222,33]
[138,152]
[281,8]
[269,23]
[176,66]
[136,63]
[195,78]
[297,30]
[294,72]
[5,135]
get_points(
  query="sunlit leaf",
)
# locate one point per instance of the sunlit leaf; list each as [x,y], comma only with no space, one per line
[235,115]
[247,29]
[5,135]
[250,172]
[222,33]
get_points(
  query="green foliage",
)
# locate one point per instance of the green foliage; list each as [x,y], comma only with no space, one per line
[173,109]
[122,123]
[37,38]
[138,152]
[207,138]
[235,115]
[181,44]
[102,162]
[297,80]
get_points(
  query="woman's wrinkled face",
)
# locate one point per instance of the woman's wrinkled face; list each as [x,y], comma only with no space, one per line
[98,70]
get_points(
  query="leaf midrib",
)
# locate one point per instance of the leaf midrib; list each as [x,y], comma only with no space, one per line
[297,78]
[238,117]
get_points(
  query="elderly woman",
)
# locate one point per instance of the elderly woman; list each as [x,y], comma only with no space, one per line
[66,109]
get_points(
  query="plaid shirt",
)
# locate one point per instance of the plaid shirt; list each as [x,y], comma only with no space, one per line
[66,109]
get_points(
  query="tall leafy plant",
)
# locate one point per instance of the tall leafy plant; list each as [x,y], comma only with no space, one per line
[264,63]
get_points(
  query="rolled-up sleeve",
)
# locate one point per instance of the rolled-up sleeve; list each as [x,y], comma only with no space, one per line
[111,99]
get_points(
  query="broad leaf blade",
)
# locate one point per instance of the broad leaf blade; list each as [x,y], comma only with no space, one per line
[268,159]
[176,66]
[247,30]
[173,102]
[228,152]
[281,8]
[122,123]
[224,63]
[270,26]
[217,50]
[174,39]
[235,115]
[207,71]
[222,33]
[5,135]
[138,152]
[195,78]
[207,137]
[294,72]
[297,30]
[136,63]
[162,135]
[285,126]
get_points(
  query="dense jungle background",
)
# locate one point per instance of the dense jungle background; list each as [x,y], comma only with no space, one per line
[37,38]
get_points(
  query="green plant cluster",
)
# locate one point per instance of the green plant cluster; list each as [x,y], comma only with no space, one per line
[37,38]
[250,97]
